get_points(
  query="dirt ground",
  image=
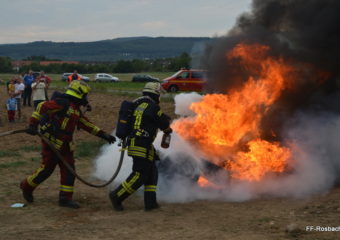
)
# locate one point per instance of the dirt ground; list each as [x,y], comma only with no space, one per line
[44,219]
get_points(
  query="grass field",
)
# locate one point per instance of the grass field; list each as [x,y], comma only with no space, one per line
[125,77]
[124,84]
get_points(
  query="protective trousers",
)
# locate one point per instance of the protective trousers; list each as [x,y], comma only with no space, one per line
[144,172]
[49,162]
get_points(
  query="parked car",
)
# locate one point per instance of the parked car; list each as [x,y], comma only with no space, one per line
[84,78]
[185,80]
[65,76]
[144,78]
[104,77]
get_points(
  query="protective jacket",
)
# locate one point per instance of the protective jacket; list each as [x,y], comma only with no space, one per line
[58,119]
[147,119]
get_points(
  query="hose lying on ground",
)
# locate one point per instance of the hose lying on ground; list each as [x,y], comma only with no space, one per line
[12,132]
[68,165]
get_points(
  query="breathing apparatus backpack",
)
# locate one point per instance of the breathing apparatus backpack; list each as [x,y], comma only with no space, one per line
[51,125]
[124,124]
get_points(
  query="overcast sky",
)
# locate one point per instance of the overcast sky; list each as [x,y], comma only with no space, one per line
[24,21]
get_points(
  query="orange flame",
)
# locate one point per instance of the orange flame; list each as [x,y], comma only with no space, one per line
[263,157]
[203,182]
[226,125]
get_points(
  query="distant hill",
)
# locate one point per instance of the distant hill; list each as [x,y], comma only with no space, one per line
[105,50]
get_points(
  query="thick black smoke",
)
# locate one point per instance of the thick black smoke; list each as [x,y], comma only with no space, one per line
[305,33]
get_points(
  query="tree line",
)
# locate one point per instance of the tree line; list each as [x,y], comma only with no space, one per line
[121,66]
[107,50]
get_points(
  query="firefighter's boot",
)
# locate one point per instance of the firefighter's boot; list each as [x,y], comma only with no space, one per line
[65,199]
[116,203]
[117,197]
[150,201]
[27,191]
[68,203]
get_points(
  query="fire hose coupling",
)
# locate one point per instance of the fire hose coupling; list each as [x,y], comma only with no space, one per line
[122,144]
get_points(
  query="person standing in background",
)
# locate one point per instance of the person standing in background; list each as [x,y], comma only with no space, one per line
[74,76]
[28,80]
[46,79]
[19,89]
[38,92]
[11,105]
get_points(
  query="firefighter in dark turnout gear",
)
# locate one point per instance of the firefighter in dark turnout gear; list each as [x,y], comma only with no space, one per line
[58,119]
[147,119]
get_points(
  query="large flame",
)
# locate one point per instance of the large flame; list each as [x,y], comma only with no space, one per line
[226,128]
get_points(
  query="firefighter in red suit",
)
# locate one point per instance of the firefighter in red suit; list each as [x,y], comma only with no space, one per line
[58,119]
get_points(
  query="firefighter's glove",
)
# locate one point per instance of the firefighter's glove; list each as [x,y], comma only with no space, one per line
[107,137]
[88,108]
[32,130]
[167,117]
[168,130]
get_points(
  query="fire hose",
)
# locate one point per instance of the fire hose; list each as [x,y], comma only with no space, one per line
[61,158]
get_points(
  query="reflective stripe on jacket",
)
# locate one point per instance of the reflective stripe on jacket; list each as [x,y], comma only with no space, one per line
[147,119]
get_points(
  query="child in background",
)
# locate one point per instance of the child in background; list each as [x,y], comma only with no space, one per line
[11,107]
[11,87]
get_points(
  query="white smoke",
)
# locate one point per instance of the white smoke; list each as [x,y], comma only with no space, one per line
[107,162]
[183,102]
[315,163]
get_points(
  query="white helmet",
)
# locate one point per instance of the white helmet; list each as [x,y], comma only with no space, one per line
[153,87]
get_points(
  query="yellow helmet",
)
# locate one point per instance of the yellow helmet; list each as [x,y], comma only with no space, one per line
[78,89]
[152,87]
